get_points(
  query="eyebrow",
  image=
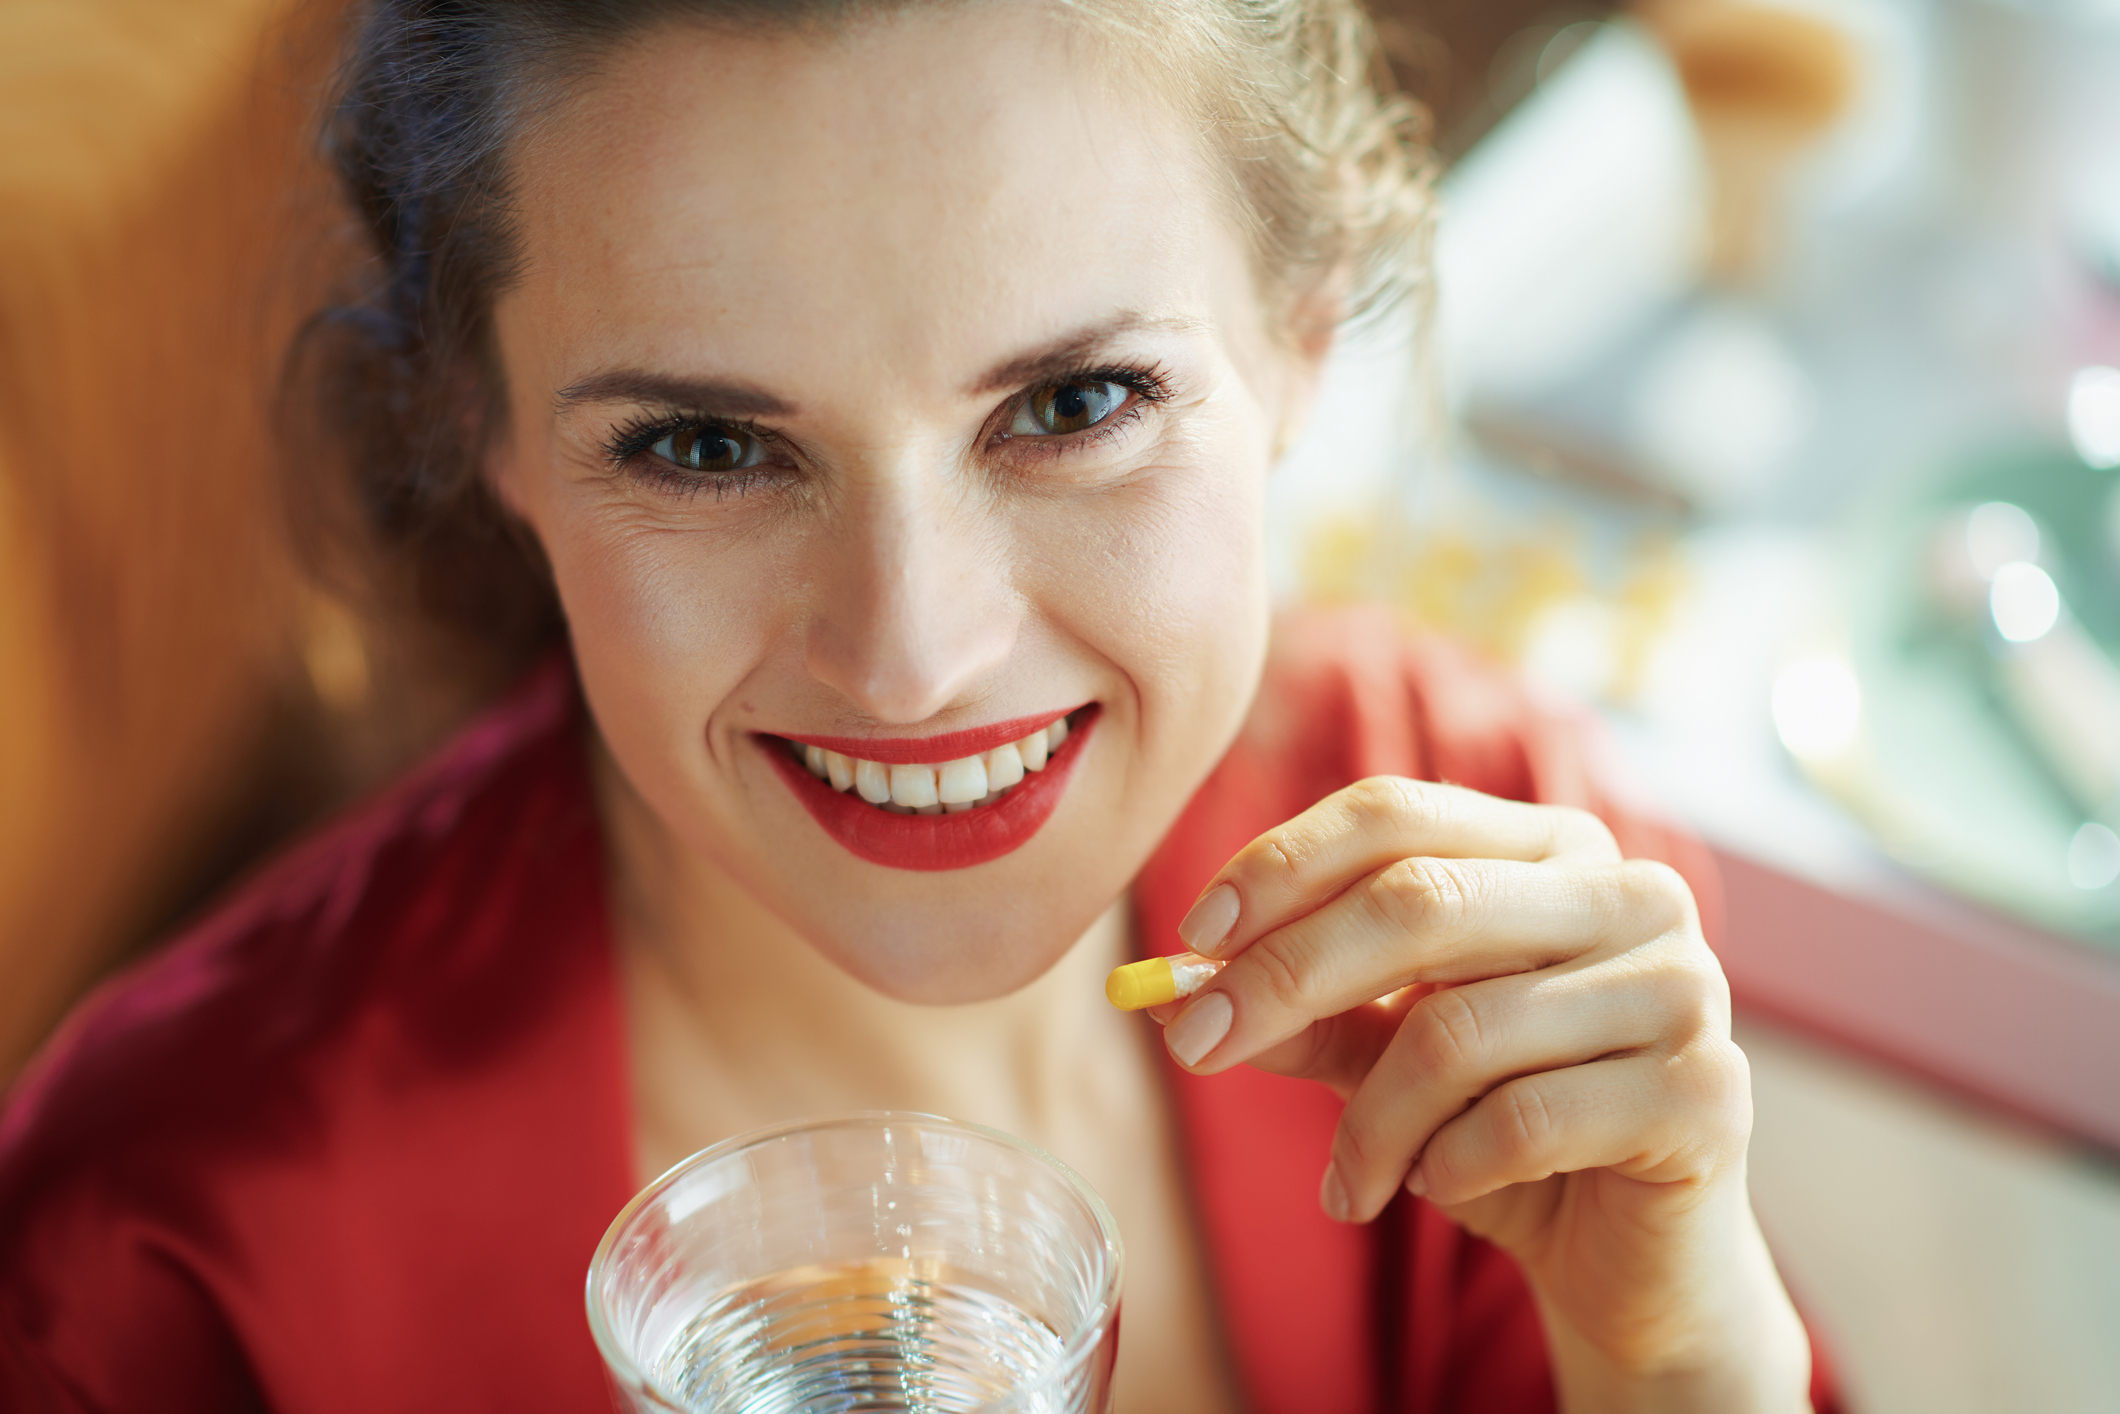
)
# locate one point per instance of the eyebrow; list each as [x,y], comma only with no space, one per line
[727,398]
[1066,354]
[635,385]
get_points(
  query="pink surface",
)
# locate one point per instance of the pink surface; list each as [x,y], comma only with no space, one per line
[1980,1005]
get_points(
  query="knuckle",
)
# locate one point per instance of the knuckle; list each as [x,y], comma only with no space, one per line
[1445,1161]
[1419,895]
[1447,1036]
[1357,1143]
[1288,971]
[1710,1089]
[1277,858]
[1717,1076]
[1687,986]
[1680,1002]
[1658,894]
[1395,802]
[1579,831]
[1525,1126]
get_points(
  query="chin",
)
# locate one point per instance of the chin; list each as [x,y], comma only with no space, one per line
[954,955]
[925,927]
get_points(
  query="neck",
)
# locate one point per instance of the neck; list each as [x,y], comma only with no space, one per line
[743,992]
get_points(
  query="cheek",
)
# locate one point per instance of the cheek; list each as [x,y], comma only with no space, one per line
[1167,582]
[665,624]
[1209,632]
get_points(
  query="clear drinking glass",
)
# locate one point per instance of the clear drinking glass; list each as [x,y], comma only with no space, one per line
[882,1261]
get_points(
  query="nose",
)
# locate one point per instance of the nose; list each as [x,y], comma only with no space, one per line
[911,603]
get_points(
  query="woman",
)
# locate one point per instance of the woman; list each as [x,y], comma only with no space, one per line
[886,393]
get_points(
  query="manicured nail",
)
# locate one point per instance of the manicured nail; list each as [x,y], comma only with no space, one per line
[1207,926]
[1200,1028]
[1417,1183]
[1332,1195]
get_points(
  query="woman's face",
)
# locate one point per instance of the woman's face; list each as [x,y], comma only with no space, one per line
[899,393]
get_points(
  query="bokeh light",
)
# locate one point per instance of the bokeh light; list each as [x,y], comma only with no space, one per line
[2093,857]
[2024,602]
[1817,708]
[2094,416]
[1998,533]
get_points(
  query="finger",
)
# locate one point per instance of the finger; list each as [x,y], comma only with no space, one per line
[1659,1119]
[1458,1045]
[1338,1051]
[1294,867]
[1423,920]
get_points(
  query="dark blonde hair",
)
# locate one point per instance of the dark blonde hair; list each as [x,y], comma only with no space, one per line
[392,394]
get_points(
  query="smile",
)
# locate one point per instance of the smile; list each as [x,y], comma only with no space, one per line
[916,788]
[933,803]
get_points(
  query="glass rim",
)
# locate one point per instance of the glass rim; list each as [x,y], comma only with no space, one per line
[1079,1344]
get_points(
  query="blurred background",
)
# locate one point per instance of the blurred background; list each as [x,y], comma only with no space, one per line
[1767,417]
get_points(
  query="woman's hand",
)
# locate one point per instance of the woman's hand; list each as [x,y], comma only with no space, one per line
[1531,1032]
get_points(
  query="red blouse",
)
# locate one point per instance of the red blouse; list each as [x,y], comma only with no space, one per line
[349,1143]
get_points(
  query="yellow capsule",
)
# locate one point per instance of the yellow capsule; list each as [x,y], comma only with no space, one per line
[1157,980]
[1141,984]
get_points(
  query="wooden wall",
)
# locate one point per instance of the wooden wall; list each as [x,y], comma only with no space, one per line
[162,228]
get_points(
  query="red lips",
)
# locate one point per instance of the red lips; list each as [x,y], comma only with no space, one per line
[933,750]
[935,842]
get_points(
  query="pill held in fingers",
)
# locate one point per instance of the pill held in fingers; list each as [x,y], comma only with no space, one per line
[1158,980]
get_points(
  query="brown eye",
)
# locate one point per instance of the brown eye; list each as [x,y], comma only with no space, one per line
[710,447]
[1067,407]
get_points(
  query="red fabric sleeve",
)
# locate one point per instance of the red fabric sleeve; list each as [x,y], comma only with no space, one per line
[28,1384]
[350,1143]
[129,1327]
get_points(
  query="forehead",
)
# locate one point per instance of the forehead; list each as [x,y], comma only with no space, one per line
[940,183]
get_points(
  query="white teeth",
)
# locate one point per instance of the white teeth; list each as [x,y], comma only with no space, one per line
[1032,750]
[961,782]
[914,786]
[873,781]
[953,786]
[1004,767]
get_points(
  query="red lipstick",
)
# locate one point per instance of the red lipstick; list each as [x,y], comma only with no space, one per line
[935,842]
[934,750]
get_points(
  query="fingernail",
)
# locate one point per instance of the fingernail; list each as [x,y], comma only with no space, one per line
[1332,1194]
[1207,926]
[1200,1028]
[1417,1183]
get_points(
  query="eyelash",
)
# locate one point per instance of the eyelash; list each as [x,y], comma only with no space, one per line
[1149,383]
[627,448]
